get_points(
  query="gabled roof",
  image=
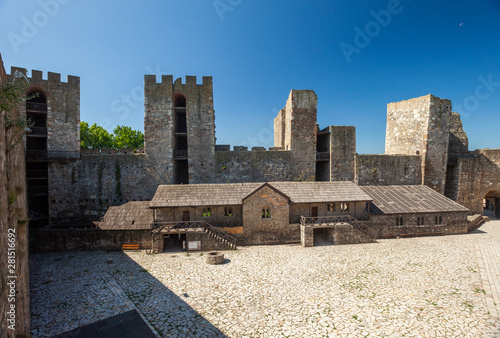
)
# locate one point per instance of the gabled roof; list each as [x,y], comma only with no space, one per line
[316,192]
[129,216]
[186,195]
[235,193]
[403,199]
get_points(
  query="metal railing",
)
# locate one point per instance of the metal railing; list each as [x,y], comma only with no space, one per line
[158,227]
[37,174]
[180,153]
[322,156]
[36,154]
[38,191]
[334,220]
[38,131]
[34,106]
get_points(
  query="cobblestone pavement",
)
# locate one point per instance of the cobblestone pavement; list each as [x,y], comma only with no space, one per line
[415,287]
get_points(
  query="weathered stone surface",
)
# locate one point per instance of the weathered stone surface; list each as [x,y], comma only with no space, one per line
[14,274]
[388,170]
[421,126]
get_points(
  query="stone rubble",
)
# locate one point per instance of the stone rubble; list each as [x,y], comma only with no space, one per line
[417,287]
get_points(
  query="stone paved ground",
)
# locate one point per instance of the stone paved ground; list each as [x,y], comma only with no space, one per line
[415,287]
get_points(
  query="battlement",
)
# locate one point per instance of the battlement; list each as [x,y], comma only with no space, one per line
[169,80]
[37,76]
[110,151]
[227,148]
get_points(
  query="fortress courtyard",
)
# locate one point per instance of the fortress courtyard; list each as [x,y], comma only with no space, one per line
[445,286]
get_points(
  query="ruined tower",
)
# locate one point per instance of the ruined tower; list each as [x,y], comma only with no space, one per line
[179,129]
[296,130]
[421,126]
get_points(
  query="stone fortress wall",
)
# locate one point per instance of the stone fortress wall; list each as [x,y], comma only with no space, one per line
[425,144]
[14,293]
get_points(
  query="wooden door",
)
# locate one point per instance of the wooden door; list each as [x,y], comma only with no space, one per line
[185,216]
[314,211]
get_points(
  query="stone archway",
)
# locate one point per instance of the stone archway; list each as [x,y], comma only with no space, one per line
[491,204]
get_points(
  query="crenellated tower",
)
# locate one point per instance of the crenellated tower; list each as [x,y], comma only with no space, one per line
[179,129]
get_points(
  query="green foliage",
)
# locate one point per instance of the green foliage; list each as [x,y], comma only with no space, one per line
[98,138]
[12,197]
[12,93]
[126,137]
[94,136]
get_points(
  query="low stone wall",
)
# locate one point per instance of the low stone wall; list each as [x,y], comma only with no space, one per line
[347,234]
[342,234]
[208,243]
[452,223]
[57,240]
[474,221]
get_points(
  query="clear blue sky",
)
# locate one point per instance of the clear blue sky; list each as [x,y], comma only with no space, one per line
[257,51]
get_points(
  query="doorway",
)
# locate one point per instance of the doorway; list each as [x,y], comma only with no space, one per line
[174,243]
[186,217]
[314,211]
[323,237]
[491,204]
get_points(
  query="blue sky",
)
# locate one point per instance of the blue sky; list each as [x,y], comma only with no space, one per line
[257,51]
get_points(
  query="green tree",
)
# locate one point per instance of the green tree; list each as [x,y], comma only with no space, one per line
[126,137]
[95,136]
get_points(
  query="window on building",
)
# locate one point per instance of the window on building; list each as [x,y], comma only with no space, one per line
[438,220]
[420,221]
[331,207]
[207,212]
[399,221]
[344,207]
[266,213]
[228,211]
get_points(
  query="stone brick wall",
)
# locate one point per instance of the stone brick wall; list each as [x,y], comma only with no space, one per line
[63,111]
[252,166]
[421,126]
[355,209]
[216,218]
[338,234]
[86,188]
[58,240]
[452,223]
[459,142]
[258,230]
[342,153]
[13,206]
[388,170]
[159,126]
[478,174]
[279,129]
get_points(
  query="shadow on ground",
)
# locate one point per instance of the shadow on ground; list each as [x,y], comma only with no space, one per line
[78,281]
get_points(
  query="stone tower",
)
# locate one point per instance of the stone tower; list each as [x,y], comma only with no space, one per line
[295,129]
[179,129]
[53,108]
[421,126]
